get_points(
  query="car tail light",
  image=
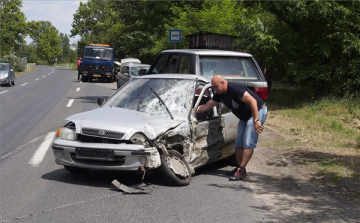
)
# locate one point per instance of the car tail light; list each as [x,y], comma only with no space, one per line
[262,92]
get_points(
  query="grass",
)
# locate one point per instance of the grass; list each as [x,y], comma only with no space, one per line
[325,129]
[29,69]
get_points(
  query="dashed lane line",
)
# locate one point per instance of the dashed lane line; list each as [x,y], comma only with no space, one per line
[4,92]
[70,103]
[24,84]
[41,151]
[44,76]
[78,89]
[36,79]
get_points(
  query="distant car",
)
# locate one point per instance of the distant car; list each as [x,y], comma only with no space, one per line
[127,72]
[148,124]
[236,67]
[7,75]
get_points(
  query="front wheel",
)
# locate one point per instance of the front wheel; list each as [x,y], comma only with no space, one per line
[175,169]
[76,170]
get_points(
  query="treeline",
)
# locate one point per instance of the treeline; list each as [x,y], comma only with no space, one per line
[48,46]
[305,43]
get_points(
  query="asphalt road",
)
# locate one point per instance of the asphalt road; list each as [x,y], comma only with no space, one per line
[36,189]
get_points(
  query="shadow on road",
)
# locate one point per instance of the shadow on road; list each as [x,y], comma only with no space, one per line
[88,99]
[99,178]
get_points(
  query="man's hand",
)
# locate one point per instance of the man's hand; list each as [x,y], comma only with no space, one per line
[258,127]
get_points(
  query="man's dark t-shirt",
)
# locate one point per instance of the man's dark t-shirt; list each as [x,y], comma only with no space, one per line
[232,99]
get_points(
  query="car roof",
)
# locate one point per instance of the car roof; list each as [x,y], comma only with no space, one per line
[176,76]
[208,52]
[139,65]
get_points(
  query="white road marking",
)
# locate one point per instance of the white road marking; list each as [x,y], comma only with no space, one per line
[24,84]
[78,89]
[20,147]
[41,151]
[4,91]
[36,79]
[44,76]
[70,103]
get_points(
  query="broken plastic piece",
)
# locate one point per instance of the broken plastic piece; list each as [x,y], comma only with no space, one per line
[129,190]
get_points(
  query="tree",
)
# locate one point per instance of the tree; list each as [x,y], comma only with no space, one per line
[12,26]
[319,44]
[66,50]
[48,44]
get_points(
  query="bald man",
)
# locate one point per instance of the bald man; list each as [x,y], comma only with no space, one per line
[251,111]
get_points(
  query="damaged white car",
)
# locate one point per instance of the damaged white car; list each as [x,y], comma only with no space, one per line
[147,124]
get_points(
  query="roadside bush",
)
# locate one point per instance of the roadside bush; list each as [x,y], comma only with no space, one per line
[14,61]
[42,62]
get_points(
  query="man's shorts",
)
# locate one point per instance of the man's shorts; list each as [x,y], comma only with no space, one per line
[247,136]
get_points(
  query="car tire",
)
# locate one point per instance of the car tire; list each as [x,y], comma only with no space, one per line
[13,82]
[76,170]
[9,83]
[167,171]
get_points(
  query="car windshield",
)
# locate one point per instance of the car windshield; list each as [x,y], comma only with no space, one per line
[98,53]
[3,67]
[135,70]
[143,95]
[230,67]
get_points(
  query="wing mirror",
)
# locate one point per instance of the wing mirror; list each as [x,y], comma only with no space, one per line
[101,101]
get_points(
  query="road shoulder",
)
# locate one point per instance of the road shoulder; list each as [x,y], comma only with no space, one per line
[288,189]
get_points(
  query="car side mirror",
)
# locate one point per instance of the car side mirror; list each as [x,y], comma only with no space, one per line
[101,101]
[142,72]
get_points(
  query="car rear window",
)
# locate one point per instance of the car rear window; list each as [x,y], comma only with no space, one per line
[229,67]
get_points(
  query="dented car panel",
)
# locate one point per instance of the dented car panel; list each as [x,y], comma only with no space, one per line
[149,123]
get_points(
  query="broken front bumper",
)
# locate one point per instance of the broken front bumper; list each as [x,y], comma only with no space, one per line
[126,157]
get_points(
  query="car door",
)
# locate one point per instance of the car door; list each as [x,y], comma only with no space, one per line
[124,75]
[208,132]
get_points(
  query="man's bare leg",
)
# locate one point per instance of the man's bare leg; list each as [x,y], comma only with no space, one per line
[246,156]
[239,154]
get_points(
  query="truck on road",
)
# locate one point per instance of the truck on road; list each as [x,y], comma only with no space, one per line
[98,63]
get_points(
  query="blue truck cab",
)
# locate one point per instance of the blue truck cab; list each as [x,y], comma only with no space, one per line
[98,63]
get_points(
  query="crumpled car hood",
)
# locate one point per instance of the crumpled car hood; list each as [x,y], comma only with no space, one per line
[123,120]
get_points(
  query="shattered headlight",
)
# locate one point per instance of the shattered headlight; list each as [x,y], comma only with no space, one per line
[139,139]
[66,134]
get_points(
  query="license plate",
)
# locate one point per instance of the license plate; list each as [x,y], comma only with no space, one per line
[96,75]
[95,154]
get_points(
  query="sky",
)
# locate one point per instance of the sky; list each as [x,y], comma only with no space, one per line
[58,12]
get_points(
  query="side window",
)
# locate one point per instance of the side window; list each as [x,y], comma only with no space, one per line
[125,70]
[159,66]
[185,64]
[172,64]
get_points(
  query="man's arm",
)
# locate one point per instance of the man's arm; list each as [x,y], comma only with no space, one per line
[247,98]
[206,107]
